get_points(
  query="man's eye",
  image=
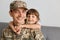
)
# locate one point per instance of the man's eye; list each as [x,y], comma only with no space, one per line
[24,11]
[15,11]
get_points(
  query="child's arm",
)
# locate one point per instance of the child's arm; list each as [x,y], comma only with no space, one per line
[15,29]
[11,26]
[33,26]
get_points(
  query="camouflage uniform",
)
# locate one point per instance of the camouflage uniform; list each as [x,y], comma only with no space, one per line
[25,34]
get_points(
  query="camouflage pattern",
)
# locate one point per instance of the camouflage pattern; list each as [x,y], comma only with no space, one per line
[25,34]
[18,4]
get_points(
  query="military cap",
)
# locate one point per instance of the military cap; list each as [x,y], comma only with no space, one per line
[18,4]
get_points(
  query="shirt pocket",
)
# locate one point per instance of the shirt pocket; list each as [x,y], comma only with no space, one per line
[8,37]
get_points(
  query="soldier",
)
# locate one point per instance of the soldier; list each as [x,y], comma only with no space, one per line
[18,13]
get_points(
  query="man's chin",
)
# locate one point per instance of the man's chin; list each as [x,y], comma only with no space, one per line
[20,22]
[30,23]
[21,18]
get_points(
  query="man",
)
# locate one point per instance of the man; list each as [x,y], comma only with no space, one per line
[18,14]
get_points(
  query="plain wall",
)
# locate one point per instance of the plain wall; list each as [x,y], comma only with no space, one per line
[49,11]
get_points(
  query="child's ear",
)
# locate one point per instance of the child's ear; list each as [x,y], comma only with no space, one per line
[11,14]
[37,20]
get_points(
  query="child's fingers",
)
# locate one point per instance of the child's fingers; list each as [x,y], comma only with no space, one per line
[18,32]
[17,28]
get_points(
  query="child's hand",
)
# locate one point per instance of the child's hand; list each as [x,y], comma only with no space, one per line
[17,32]
[18,29]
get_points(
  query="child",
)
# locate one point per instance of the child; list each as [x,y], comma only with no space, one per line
[32,17]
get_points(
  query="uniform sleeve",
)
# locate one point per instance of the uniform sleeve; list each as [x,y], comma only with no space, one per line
[39,35]
[2,36]
[6,34]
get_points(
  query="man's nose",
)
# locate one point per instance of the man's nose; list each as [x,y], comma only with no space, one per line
[20,14]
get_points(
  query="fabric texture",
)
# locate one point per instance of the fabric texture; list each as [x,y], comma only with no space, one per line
[25,34]
[18,4]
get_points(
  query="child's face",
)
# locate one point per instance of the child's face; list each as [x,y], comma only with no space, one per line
[31,19]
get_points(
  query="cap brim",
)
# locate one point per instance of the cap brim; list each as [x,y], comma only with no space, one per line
[23,8]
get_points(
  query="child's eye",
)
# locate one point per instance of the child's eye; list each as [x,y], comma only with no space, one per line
[28,16]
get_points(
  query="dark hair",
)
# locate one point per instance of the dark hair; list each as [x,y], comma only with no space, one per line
[33,12]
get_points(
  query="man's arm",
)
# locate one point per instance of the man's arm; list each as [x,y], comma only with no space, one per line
[12,26]
[2,36]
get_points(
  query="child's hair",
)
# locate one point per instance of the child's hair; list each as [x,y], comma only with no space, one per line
[33,12]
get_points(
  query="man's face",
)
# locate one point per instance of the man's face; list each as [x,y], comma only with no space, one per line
[18,15]
[31,19]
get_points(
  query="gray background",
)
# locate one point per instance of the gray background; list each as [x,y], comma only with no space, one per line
[49,11]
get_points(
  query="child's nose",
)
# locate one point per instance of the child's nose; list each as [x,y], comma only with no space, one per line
[30,18]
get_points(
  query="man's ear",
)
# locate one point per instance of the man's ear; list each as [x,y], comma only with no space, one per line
[11,14]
